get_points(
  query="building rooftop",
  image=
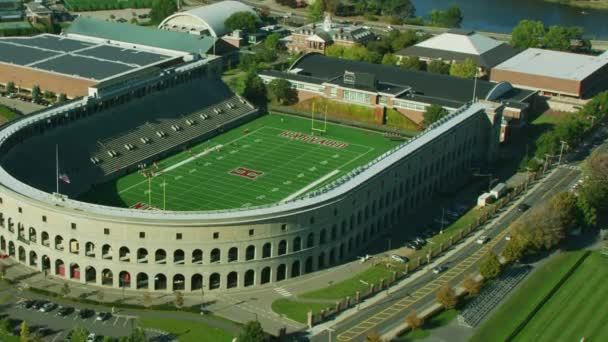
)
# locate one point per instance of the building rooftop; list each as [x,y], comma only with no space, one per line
[330,31]
[556,64]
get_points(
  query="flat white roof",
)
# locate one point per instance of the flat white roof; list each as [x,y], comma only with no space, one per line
[557,64]
[472,44]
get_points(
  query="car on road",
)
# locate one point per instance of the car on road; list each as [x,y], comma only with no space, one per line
[440,269]
[420,241]
[38,304]
[103,316]
[26,304]
[413,245]
[92,337]
[47,307]
[523,207]
[86,313]
[482,239]
[65,311]
[399,258]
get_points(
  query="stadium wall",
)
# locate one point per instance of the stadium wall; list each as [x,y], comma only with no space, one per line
[27,78]
[241,248]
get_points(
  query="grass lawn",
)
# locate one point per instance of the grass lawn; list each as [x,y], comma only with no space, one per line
[7,113]
[516,308]
[297,311]
[187,331]
[440,320]
[578,309]
[350,286]
[550,117]
[398,120]
[264,161]
[339,110]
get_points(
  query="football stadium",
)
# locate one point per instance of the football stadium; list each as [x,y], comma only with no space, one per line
[167,181]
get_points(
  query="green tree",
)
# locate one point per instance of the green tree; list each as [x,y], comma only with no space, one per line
[413,320]
[251,86]
[161,9]
[447,297]
[179,299]
[5,325]
[433,113]
[412,63]
[528,34]
[137,335]
[252,331]
[557,38]
[10,87]
[245,21]
[36,95]
[399,40]
[464,69]
[450,18]
[49,95]
[472,286]
[595,185]
[587,212]
[515,249]
[490,267]
[24,336]
[62,98]
[65,289]
[438,67]
[398,8]
[564,206]
[282,92]
[389,59]
[272,42]
[316,11]
[79,334]
[373,336]
[247,62]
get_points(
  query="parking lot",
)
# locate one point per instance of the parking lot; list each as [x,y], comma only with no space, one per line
[55,327]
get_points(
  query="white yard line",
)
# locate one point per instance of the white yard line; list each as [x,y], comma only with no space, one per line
[187,160]
[310,186]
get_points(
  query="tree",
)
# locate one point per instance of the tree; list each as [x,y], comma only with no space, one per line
[464,69]
[272,42]
[490,267]
[10,87]
[79,334]
[412,63]
[595,186]
[251,86]
[398,8]
[36,93]
[450,18]
[515,249]
[137,335]
[281,91]
[413,320]
[247,62]
[49,95]
[433,113]
[471,285]
[245,21]
[528,34]
[5,325]
[24,336]
[65,289]
[179,299]
[316,11]
[588,213]
[557,38]
[161,9]
[447,297]
[373,336]
[438,67]
[399,40]
[564,206]
[389,59]
[252,331]
[62,98]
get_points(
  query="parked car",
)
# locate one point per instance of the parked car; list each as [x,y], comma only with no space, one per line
[92,337]
[102,316]
[440,269]
[523,207]
[413,245]
[50,306]
[482,239]
[399,258]
[27,304]
[420,241]
[65,310]
[86,313]
[38,304]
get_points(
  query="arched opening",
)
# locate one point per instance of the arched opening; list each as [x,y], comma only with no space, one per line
[196,283]
[297,244]
[332,256]
[44,239]
[124,279]
[310,240]
[89,249]
[265,275]
[59,242]
[59,268]
[142,256]
[141,281]
[21,254]
[197,256]
[214,281]
[308,265]
[20,231]
[334,232]
[11,248]
[178,257]
[232,280]
[33,259]
[282,247]
[249,278]
[90,274]
[281,270]
[321,261]
[32,234]
[250,252]
[179,282]
[124,254]
[341,252]
[322,236]
[106,252]
[266,250]
[295,269]
[233,254]
[160,282]
[215,255]
[160,256]
[107,277]
[46,264]
[74,246]
[74,271]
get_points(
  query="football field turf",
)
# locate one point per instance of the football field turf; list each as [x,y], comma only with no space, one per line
[271,159]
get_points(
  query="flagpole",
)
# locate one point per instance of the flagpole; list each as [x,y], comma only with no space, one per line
[164,193]
[57,168]
[150,189]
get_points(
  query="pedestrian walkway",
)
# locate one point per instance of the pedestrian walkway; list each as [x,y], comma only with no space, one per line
[283,292]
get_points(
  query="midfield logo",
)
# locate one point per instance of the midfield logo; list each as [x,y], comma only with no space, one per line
[246,173]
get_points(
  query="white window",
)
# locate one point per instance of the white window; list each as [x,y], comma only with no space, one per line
[357,96]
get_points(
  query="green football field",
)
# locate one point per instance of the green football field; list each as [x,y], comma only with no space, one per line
[578,310]
[271,159]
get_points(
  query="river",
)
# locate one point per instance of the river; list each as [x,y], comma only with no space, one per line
[502,15]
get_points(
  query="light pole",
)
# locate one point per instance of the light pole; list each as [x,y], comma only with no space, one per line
[329,331]
[561,152]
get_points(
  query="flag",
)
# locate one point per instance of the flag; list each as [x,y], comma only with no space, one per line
[63,177]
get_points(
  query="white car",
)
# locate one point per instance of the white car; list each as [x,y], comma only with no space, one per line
[508,237]
[482,240]
[399,258]
[92,337]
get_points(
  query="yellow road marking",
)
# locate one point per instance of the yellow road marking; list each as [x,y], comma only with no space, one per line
[422,292]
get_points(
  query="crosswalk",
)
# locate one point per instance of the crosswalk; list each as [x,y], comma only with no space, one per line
[283,292]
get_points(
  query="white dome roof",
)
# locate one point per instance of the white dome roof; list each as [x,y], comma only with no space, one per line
[211,17]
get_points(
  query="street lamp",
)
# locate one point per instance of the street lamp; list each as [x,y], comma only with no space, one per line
[329,331]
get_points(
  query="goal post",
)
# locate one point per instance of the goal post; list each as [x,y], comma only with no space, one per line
[322,127]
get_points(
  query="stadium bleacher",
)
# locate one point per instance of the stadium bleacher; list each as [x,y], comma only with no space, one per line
[84,144]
